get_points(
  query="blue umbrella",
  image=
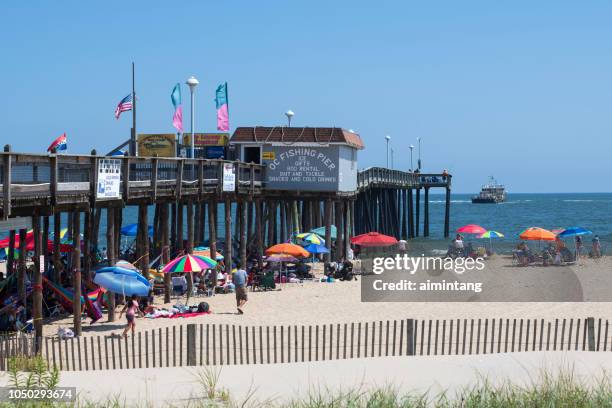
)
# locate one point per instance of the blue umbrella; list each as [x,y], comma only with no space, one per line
[573,231]
[121,280]
[132,230]
[316,249]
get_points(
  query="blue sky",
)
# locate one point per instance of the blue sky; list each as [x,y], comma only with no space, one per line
[520,90]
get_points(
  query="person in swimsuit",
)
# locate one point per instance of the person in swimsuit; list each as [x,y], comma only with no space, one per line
[131,309]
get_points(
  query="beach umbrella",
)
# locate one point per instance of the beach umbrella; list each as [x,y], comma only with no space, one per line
[574,231]
[537,234]
[316,249]
[281,258]
[490,235]
[131,230]
[205,251]
[125,264]
[320,231]
[189,263]
[122,280]
[287,248]
[310,238]
[373,239]
[472,229]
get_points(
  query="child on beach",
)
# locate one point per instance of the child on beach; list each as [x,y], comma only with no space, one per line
[131,309]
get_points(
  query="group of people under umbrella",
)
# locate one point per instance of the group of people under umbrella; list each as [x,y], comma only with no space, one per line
[554,253]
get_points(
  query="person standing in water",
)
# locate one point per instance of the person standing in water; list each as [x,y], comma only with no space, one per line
[131,308]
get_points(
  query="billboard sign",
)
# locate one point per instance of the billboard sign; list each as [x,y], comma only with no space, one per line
[109,179]
[229,177]
[162,145]
[206,139]
[305,168]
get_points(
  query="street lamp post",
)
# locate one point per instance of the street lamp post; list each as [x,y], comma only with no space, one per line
[289,115]
[388,138]
[192,82]
[419,160]
[411,165]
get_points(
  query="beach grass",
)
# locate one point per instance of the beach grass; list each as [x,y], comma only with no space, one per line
[549,390]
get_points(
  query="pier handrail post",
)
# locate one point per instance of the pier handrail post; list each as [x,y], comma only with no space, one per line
[252,175]
[125,173]
[154,163]
[179,179]
[6,183]
[53,169]
[200,177]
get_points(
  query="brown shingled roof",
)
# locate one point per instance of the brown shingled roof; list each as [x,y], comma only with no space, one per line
[291,135]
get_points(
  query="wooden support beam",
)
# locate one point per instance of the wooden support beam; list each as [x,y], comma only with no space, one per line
[165,249]
[111,255]
[410,213]
[228,236]
[86,245]
[10,264]
[243,233]
[142,239]
[76,272]
[189,247]
[327,220]
[212,228]
[403,208]
[197,233]
[180,234]
[21,266]
[283,222]
[6,183]
[426,213]
[447,213]
[259,231]
[57,260]
[347,227]
[417,216]
[37,285]
[173,226]
[202,221]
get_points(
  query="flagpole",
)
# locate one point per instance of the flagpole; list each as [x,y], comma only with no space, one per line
[133,151]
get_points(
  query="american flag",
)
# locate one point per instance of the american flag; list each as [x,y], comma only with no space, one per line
[124,105]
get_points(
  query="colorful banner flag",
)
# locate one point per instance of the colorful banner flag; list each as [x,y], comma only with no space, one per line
[124,105]
[222,108]
[58,144]
[177,119]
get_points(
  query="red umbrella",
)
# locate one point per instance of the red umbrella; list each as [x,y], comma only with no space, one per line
[472,229]
[373,239]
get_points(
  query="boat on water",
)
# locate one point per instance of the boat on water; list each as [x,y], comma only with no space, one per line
[491,193]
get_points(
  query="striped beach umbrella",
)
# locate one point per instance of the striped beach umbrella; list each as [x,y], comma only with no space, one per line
[310,238]
[491,235]
[189,263]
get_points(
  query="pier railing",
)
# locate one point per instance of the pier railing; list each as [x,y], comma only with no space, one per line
[53,179]
[383,177]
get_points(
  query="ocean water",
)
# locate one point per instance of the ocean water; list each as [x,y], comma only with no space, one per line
[589,210]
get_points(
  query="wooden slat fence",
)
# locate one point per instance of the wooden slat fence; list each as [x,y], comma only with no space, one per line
[228,344]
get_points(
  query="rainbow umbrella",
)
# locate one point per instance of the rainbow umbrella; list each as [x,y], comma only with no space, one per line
[310,238]
[490,235]
[189,263]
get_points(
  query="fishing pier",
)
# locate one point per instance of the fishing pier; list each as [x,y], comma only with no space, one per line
[279,181]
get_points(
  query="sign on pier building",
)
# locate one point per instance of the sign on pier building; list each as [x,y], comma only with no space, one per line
[301,158]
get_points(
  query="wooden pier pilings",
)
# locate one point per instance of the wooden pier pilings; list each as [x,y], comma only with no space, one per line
[185,195]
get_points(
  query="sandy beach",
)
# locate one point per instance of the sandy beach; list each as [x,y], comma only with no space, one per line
[340,302]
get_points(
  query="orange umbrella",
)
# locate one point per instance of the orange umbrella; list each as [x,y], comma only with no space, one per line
[286,248]
[537,234]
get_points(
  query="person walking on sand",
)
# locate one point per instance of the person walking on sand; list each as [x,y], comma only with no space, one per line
[239,278]
[131,308]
